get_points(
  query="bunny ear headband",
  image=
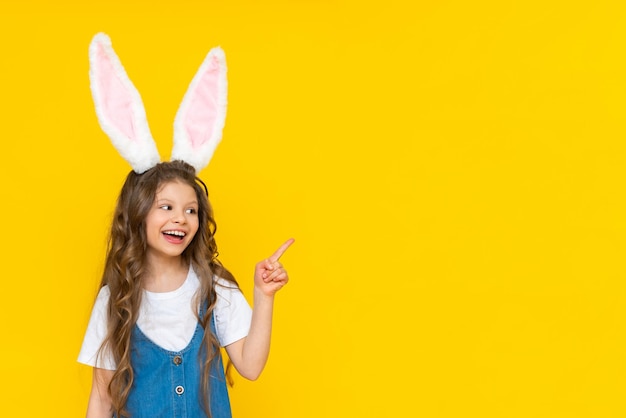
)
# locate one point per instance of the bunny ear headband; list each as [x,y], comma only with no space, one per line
[198,124]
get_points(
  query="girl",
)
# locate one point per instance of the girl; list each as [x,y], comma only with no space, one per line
[166,304]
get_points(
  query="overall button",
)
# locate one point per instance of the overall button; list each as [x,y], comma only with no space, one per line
[177,360]
[179,390]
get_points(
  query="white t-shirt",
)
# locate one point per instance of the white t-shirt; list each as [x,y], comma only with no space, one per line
[168,319]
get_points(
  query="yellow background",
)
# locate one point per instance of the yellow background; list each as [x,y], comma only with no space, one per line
[453,172]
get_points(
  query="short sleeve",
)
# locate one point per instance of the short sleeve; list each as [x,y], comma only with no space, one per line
[95,335]
[233,314]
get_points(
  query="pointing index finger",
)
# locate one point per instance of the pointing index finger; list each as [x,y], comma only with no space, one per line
[279,253]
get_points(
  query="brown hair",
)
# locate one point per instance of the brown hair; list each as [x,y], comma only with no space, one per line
[126,264]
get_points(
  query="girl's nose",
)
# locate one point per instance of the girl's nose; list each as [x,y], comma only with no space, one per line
[178,218]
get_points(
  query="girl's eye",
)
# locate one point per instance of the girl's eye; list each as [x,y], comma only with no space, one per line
[166,207]
[191,211]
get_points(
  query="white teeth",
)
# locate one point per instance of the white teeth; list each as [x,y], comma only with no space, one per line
[177,233]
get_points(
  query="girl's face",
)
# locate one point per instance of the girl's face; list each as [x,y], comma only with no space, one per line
[172,221]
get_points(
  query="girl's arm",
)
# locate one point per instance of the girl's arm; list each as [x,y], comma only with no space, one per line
[99,399]
[250,354]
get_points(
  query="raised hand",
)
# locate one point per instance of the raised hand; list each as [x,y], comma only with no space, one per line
[269,274]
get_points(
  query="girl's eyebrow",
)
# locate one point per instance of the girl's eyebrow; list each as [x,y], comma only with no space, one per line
[166,200]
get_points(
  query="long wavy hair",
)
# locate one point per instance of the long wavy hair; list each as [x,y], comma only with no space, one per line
[126,265]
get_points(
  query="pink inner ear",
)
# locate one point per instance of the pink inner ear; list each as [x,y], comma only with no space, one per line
[116,99]
[203,106]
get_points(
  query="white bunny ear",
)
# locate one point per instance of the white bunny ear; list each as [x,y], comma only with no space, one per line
[119,107]
[200,118]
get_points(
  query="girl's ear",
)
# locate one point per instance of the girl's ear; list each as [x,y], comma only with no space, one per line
[119,107]
[202,113]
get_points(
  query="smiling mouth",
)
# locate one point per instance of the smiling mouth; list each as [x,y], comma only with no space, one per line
[174,236]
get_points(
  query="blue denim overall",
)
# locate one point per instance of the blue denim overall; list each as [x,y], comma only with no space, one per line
[167,383]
